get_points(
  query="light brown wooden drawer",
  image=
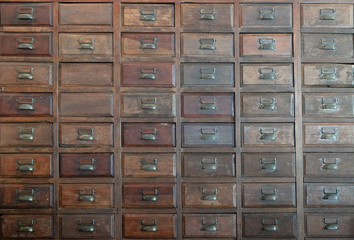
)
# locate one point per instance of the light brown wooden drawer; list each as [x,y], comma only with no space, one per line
[329,225]
[207,195]
[85,14]
[149,226]
[268,164]
[148,15]
[86,195]
[209,225]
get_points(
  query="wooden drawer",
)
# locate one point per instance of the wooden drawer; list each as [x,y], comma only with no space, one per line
[26,104]
[85,134]
[208,134]
[329,225]
[207,74]
[209,195]
[85,44]
[148,15]
[27,44]
[149,105]
[207,44]
[86,165]
[85,14]
[327,45]
[26,165]
[208,165]
[149,135]
[87,226]
[266,45]
[269,195]
[268,164]
[209,225]
[148,44]
[268,134]
[149,195]
[26,196]
[26,14]
[149,165]
[26,134]
[86,195]
[27,226]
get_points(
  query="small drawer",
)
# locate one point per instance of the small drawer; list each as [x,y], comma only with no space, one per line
[149,195]
[148,44]
[209,225]
[85,44]
[201,195]
[149,165]
[327,45]
[329,225]
[85,14]
[268,195]
[209,165]
[266,45]
[86,195]
[86,134]
[148,15]
[26,44]
[149,105]
[26,104]
[269,225]
[86,165]
[91,226]
[149,135]
[208,134]
[27,226]
[26,196]
[26,14]
[268,134]
[268,164]
[149,226]
[207,44]
[26,165]
[207,74]
[327,15]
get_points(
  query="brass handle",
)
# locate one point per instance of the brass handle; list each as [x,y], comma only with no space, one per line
[87,166]
[25,133]
[86,197]
[148,43]
[148,134]
[148,227]
[209,194]
[207,14]
[25,165]
[329,103]
[87,227]
[268,133]
[329,134]
[266,43]
[86,134]
[267,103]
[207,73]
[328,74]
[25,13]
[25,104]
[328,44]
[148,15]
[26,43]
[330,195]
[148,103]
[269,165]
[25,226]
[330,164]
[208,134]
[266,14]
[147,73]
[25,195]
[269,225]
[330,224]
[208,104]
[148,165]
[269,194]
[86,43]
[267,74]
[149,195]
[327,14]
[209,225]
[209,164]
[25,73]
[207,43]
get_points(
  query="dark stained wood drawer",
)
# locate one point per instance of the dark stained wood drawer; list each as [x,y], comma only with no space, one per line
[149,226]
[209,195]
[329,225]
[86,165]
[26,196]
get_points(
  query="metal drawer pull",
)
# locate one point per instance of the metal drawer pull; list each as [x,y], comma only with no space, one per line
[86,134]
[148,134]
[25,103]
[327,14]
[25,226]
[148,103]
[207,73]
[148,227]
[25,43]
[269,165]
[207,14]
[148,164]
[266,43]
[267,103]
[25,133]
[328,44]
[269,194]
[25,165]
[268,133]
[147,73]
[329,134]
[209,194]
[209,164]
[85,165]
[209,225]
[86,197]
[208,104]
[25,195]
[266,14]
[328,74]
[330,164]
[86,43]
[148,14]
[267,74]
[329,103]
[207,43]
[87,227]
[330,195]
[25,13]
[208,134]
[149,195]
[25,73]
[269,225]
[148,43]
[330,224]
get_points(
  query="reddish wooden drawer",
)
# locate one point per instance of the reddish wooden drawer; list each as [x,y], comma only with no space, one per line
[329,225]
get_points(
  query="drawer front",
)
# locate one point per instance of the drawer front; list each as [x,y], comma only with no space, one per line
[26,165]
[85,14]
[267,45]
[268,195]
[148,15]
[328,75]
[207,44]
[279,134]
[327,45]
[27,44]
[80,74]
[209,225]
[209,165]
[26,196]
[149,195]
[149,165]
[147,44]
[268,165]
[208,134]
[149,135]
[85,134]
[149,105]
[86,195]
[329,225]
[26,134]
[86,165]
[31,14]
[149,226]
[200,195]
